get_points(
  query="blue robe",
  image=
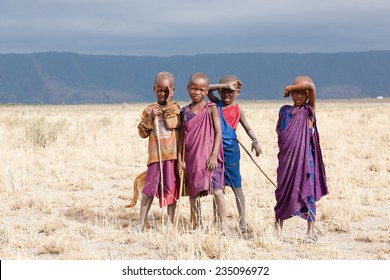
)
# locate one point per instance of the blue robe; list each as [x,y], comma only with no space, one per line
[231,152]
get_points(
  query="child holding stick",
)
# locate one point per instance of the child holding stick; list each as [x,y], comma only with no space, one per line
[167,113]
[231,115]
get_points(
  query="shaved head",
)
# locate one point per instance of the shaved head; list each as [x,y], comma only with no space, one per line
[303,79]
[164,75]
[198,76]
[227,79]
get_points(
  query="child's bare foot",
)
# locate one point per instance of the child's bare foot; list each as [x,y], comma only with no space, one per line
[245,228]
[310,239]
[243,225]
[311,236]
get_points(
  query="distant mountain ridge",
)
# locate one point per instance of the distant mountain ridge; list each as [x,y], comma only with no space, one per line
[70,78]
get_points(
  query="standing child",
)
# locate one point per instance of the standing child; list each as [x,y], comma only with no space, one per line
[167,113]
[201,133]
[231,114]
[301,173]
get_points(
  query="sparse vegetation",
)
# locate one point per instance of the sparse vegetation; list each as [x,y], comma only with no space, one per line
[65,201]
[41,132]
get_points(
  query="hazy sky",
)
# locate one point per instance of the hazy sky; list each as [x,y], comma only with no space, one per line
[180,27]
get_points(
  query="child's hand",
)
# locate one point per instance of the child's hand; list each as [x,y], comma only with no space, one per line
[155,112]
[255,146]
[211,163]
[180,166]
[170,95]
[236,85]
[287,91]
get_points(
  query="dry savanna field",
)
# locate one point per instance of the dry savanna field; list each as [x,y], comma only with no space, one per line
[67,171]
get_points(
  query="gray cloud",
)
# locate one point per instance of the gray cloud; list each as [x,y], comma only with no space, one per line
[171,27]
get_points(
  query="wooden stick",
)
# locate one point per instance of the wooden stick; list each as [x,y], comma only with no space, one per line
[250,155]
[156,127]
[181,184]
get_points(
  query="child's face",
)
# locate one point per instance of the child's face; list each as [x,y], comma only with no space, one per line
[299,97]
[198,88]
[228,96]
[161,89]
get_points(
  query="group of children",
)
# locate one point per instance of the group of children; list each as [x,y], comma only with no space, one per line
[201,139]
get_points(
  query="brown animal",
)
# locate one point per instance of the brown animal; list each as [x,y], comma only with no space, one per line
[138,186]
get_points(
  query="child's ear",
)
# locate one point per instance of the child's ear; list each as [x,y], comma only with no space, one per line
[154,88]
[238,92]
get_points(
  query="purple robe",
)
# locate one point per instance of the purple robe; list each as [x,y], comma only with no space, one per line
[199,141]
[171,181]
[295,184]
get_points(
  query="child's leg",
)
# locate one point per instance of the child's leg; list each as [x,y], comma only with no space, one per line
[215,212]
[219,197]
[311,236]
[240,201]
[311,228]
[171,211]
[146,202]
[196,211]
[278,227]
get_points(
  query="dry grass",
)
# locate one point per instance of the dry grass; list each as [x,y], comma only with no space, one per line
[67,171]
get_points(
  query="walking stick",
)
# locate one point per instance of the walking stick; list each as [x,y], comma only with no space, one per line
[250,155]
[156,127]
[181,184]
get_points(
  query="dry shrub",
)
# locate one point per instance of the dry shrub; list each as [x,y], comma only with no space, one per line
[367,197]
[326,253]
[340,216]
[339,225]
[104,122]
[50,226]
[53,246]
[17,203]
[81,213]
[216,247]
[373,237]
[41,132]
[87,232]
[266,240]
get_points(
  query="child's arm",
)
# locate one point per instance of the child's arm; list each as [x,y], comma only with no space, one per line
[255,145]
[309,87]
[146,124]
[180,151]
[211,95]
[278,126]
[235,85]
[211,163]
